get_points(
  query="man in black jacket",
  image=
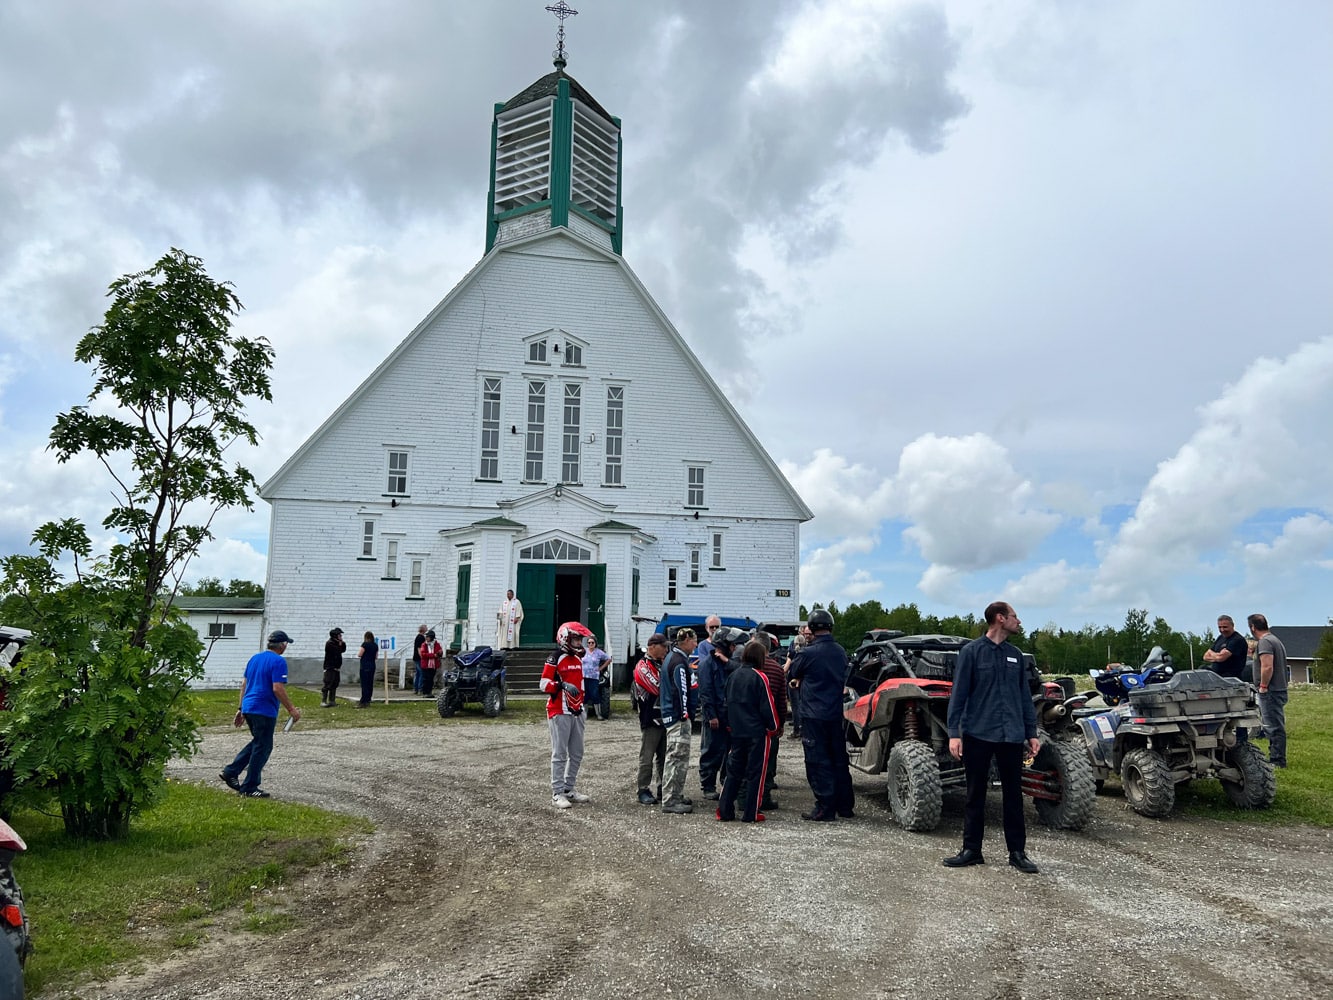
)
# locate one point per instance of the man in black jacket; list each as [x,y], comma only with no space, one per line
[333,668]
[991,716]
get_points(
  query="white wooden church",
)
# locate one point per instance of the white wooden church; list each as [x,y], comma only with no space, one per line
[579,453]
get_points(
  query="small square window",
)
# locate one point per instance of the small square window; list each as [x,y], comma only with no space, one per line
[222,630]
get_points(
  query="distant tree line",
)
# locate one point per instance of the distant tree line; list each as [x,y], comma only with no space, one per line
[1058,650]
[211,586]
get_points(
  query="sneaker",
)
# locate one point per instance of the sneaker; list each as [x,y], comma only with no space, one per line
[258,793]
[711,794]
[678,807]
[230,782]
[717,814]
[758,818]
[818,815]
[574,796]
[561,802]
[647,798]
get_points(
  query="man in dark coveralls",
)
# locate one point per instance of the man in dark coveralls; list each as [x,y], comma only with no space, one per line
[991,715]
[820,673]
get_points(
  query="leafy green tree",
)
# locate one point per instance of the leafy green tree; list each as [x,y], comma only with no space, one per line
[1132,643]
[99,706]
[1322,668]
[211,586]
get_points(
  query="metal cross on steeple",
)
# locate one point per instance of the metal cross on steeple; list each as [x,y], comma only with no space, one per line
[561,10]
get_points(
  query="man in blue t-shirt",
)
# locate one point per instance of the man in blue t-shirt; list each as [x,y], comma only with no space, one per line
[264,686]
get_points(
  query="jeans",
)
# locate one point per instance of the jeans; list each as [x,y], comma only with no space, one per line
[566,751]
[367,684]
[255,754]
[1273,711]
[416,677]
[977,756]
[591,700]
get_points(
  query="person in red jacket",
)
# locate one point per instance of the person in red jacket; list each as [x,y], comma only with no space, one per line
[562,683]
[431,653]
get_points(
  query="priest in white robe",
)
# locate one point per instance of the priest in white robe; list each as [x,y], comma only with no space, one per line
[509,622]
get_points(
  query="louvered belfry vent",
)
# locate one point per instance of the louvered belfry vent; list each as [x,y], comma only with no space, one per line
[523,156]
[595,164]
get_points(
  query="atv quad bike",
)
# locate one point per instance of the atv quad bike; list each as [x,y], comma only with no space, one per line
[476,676]
[895,714]
[1165,728]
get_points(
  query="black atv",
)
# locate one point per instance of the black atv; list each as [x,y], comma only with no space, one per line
[476,676]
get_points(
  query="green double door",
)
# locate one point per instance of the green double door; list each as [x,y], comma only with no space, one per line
[552,594]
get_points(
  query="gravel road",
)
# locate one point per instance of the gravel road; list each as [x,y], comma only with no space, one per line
[474,886]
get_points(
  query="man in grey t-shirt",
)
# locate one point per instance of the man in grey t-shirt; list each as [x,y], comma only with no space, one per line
[1270,676]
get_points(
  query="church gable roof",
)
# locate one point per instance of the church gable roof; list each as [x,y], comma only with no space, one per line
[554,243]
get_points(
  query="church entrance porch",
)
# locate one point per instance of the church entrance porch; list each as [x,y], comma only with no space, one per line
[554,593]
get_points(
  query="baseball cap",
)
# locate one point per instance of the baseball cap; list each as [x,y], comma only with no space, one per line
[279,636]
[657,639]
[335,631]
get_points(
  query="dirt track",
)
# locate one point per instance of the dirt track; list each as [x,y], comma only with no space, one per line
[474,886]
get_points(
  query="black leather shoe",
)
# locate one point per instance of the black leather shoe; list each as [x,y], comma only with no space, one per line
[818,815]
[647,798]
[1019,860]
[963,858]
[711,794]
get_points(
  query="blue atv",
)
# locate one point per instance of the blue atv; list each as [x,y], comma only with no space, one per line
[476,676]
[1163,728]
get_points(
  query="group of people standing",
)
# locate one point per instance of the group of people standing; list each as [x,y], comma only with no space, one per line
[739,694]
[334,649]
[1262,661]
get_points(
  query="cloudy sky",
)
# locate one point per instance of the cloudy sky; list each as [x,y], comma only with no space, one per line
[1030,299]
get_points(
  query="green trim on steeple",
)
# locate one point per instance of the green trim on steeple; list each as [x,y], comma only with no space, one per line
[562,153]
[493,223]
[616,239]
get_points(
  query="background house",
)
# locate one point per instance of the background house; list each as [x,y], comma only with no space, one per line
[1300,641]
[232,628]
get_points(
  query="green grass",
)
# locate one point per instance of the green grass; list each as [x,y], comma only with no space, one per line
[217,709]
[1304,788]
[202,851]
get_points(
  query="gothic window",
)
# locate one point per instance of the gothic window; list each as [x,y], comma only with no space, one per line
[490,429]
[569,448]
[615,435]
[535,448]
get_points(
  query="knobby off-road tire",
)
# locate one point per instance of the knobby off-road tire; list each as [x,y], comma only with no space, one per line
[1078,786]
[1149,788]
[492,701]
[605,701]
[1258,785]
[915,796]
[447,701]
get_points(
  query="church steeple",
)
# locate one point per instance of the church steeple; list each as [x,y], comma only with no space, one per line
[555,159]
